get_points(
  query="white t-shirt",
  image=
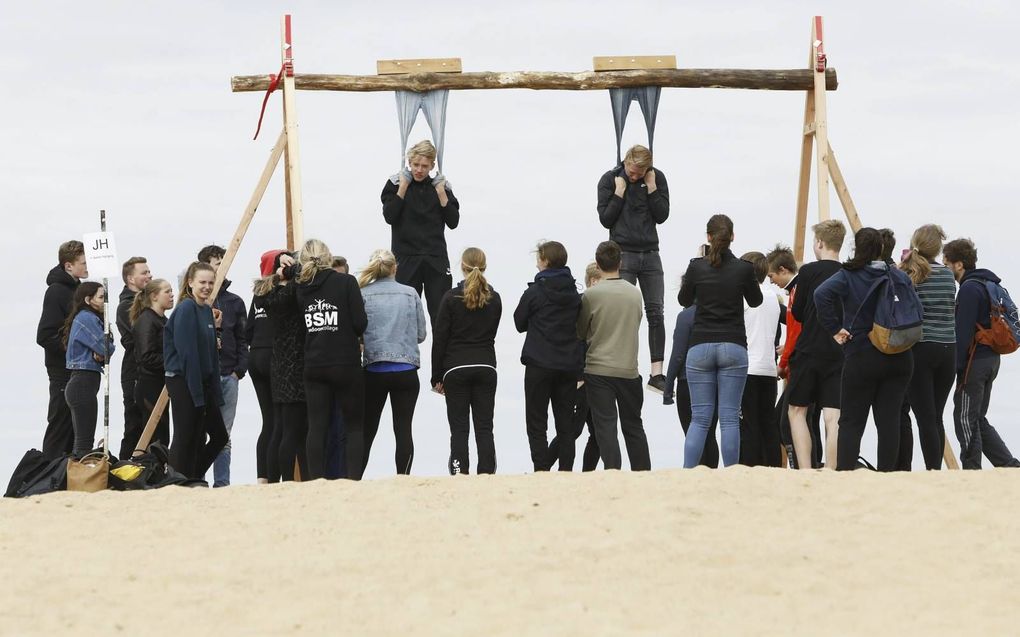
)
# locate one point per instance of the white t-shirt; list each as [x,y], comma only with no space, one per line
[761,323]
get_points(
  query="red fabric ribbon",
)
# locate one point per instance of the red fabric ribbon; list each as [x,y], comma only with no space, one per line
[274,82]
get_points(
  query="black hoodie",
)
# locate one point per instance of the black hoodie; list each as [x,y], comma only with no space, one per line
[128,365]
[631,219]
[972,309]
[333,314]
[56,306]
[548,312]
[462,336]
[418,223]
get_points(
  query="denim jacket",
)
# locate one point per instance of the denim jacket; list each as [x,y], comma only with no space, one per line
[86,338]
[396,323]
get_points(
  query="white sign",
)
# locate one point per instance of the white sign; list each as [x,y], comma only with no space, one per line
[101,255]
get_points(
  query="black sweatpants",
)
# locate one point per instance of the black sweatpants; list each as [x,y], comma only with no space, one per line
[420,273]
[133,422]
[580,416]
[290,437]
[541,387]
[323,385]
[403,389]
[147,391]
[760,442]
[977,436]
[608,398]
[80,394]
[59,437]
[872,382]
[190,453]
[267,465]
[710,454]
[471,397]
[934,375]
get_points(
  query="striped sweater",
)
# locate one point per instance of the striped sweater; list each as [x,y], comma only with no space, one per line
[938,298]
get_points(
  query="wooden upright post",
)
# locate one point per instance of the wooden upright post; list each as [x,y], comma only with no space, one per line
[821,127]
[292,170]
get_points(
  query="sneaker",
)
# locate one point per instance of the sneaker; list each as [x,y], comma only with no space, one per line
[657,383]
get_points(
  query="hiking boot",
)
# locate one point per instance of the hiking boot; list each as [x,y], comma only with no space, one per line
[657,383]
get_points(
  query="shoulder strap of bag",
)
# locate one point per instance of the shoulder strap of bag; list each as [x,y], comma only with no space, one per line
[874,286]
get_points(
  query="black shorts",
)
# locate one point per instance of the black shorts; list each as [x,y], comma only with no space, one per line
[814,381]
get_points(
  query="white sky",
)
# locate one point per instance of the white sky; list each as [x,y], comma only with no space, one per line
[127,107]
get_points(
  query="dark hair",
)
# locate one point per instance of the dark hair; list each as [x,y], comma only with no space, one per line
[87,289]
[607,256]
[781,257]
[129,267]
[720,232]
[868,246]
[553,253]
[760,264]
[961,251]
[338,262]
[210,252]
[69,251]
[888,243]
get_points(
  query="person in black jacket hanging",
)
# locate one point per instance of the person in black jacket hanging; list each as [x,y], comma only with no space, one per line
[136,275]
[61,282]
[633,199]
[147,317]
[419,210]
[552,354]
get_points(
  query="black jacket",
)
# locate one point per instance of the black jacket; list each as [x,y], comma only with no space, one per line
[258,329]
[147,339]
[233,342]
[56,306]
[128,367]
[631,220]
[719,294]
[814,339]
[418,223]
[462,336]
[548,312]
[333,315]
[287,365]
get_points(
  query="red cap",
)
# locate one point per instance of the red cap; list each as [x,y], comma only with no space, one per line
[268,260]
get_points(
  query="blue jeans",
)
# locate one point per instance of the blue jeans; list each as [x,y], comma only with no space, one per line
[221,466]
[645,270]
[716,373]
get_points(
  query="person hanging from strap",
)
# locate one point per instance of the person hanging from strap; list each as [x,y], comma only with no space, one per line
[633,198]
[419,207]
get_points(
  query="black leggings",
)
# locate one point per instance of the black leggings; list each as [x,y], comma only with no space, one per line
[760,442]
[403,389]
[934,374]
[289,437]
[471,395]
[710,455]
[147,391]
[266,460]
[189,452]
[872,382]
[80,395]
[322,386]
[542,387]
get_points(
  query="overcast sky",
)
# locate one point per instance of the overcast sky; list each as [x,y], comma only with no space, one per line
[127,107]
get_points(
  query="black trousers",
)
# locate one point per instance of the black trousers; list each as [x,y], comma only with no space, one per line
[147,391]
[710,454]
[80,394]
[872,382]
[934,375]
[59,437]
[608,398]
[422,274]
[977,436]
[760,441]
[323,385]
[471,396]
[542,387]
[580,416]
[133,423]
[190,452]
[267,461]
[290,437]
[403,389]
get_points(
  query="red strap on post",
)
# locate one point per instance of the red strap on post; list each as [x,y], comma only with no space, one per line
[274,82]
[820,60]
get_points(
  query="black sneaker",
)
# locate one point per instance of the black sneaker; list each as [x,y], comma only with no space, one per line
[657,383]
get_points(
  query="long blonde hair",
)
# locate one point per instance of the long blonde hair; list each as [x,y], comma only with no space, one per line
[265,285]
[925,245]
[143,298]
[381,265]
[315,257]
[477,292]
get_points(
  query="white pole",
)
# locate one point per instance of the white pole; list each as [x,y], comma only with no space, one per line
[106,357]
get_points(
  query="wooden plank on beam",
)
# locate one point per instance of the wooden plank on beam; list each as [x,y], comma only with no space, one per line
[754,79]
[633,62]
[429,65]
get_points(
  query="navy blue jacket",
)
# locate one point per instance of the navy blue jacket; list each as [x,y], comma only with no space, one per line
[233,336]
[189,350]
[548,312]
[972,309]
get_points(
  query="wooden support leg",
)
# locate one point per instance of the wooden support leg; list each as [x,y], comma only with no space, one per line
[821,126]
[804,185]
[950,458]
[295,216]
[843,192]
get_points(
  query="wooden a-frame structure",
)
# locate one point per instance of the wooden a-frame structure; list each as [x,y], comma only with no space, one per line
[608,72]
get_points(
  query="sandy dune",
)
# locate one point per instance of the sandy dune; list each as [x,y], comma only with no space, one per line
[740,551]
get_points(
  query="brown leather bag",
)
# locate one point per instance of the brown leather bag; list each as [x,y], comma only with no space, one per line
[90,474]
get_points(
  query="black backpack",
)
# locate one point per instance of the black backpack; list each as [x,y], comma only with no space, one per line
[37,474]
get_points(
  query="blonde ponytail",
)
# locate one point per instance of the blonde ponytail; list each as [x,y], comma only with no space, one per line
[477,292]
[925,245]
[381,265]
[315,257]
[143,298]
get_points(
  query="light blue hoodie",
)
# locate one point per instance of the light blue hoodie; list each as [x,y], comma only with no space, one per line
[396,323]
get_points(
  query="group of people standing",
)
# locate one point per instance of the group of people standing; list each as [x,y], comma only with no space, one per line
[325,350]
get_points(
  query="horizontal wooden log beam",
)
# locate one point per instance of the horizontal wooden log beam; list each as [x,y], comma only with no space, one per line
[760,79]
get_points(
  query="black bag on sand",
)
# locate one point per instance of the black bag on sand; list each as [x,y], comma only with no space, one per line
[156,471]
[37,474]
